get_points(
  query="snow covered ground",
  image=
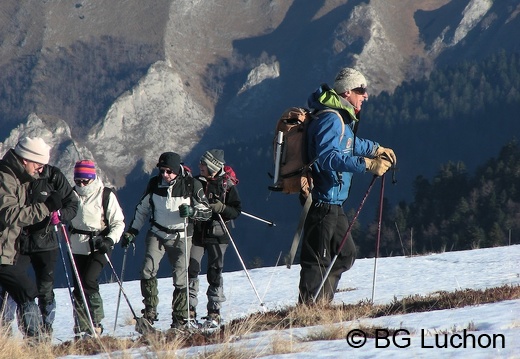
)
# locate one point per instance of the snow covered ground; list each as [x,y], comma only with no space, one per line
[496,326]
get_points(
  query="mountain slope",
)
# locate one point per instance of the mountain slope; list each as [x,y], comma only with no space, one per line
[121,82]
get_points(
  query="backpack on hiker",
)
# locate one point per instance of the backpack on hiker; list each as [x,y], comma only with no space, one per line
[292,165]
[230,176]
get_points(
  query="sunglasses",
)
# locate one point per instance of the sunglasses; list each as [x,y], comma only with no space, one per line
[164,170]
[83,182]
[360,90]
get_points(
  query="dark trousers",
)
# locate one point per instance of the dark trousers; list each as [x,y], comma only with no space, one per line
[324,230]
[89,269]
[44,264]
[215,292]
[23,290]
[17,283]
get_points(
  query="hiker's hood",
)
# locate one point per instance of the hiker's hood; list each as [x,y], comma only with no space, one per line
[325,97]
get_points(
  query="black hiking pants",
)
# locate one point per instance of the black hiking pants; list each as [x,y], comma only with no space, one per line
[324,229]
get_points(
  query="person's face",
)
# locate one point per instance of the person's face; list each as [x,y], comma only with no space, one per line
[204,171]
[167,174]
[33,168]
[82,182]
[356,97]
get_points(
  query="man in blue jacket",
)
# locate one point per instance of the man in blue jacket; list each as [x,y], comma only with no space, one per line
[339,153]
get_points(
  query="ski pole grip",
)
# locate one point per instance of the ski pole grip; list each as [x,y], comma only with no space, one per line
[55,217]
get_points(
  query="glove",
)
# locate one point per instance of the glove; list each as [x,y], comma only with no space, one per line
[126,239]
[377,166]
[388,153]
[217,207]
[53,202]
[104,245]
[55,218]
[185,210]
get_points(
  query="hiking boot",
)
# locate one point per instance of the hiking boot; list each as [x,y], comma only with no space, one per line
[150,314]
[184,324]
[212,321]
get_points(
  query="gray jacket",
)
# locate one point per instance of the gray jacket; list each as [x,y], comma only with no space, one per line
[14,213]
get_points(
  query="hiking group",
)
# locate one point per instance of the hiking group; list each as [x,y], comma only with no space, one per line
[188,216]
[37,204]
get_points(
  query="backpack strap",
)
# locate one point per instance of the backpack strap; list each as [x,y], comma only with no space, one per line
[188,183]
[339,174]
[104,202]
[339,116]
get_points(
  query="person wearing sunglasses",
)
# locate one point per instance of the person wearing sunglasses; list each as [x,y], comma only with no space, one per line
[18,168]
[97,226]
[172,200]
[338,154]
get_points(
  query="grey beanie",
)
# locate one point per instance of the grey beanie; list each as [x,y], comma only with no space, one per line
[33,149]
[348,79]
[214,159]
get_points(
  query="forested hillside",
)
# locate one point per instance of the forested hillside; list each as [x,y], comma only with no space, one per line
[461,206]
[454,211]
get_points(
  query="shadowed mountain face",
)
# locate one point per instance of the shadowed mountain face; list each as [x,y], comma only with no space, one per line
[120,82]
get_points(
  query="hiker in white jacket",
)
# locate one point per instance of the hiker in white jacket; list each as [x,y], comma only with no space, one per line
[98,225]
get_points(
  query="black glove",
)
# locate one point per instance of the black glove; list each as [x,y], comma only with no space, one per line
[104,245]
[53,202]
[185,210]
[126,239]
[217,207]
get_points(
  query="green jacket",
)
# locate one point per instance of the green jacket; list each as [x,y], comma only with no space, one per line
[14,213]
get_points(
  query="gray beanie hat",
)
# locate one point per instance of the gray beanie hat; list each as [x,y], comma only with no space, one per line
[33,149]
[348,79]
[214,159]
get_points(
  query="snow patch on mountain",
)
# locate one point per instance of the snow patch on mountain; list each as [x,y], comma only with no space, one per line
[261,73]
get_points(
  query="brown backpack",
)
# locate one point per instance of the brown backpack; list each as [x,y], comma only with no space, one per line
[292,165]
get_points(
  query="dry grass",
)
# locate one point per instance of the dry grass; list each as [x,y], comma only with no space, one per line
[165,345]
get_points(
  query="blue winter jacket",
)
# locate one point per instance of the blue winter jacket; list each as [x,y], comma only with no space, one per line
[337,158]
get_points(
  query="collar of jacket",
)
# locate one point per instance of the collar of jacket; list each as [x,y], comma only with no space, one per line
[331,99]
[17,167]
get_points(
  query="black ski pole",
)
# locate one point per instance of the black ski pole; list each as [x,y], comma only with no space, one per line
[55,221]
[141,324]
[344,240]
[122,276]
